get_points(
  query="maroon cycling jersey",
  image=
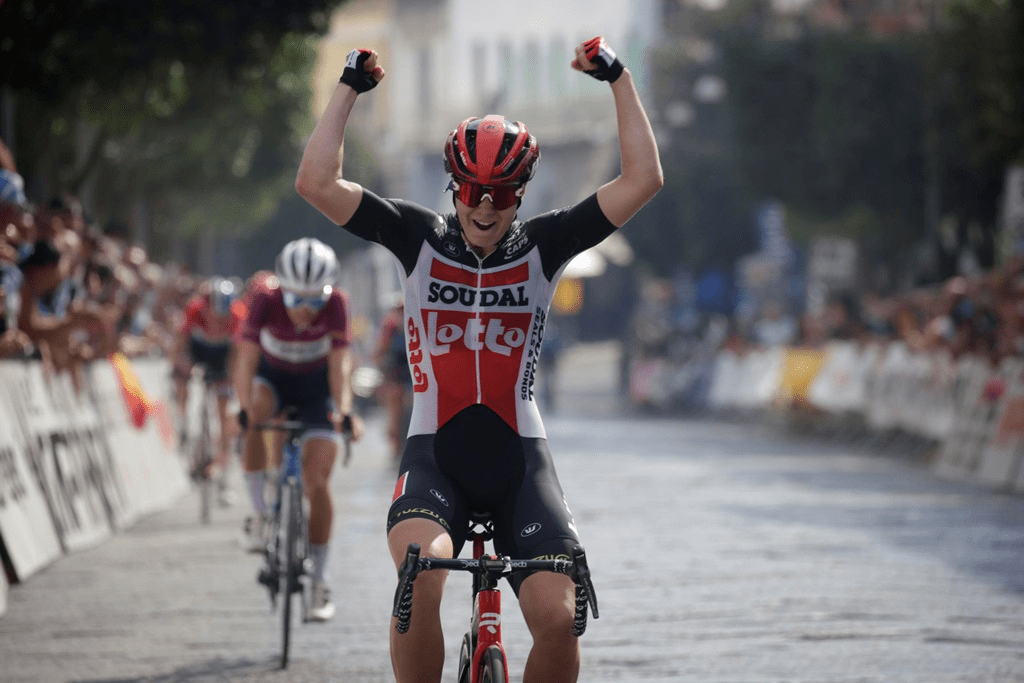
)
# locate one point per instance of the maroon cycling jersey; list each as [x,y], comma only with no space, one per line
[474,326]
[283,345]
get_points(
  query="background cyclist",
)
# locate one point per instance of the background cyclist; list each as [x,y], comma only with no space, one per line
[477,287]
[293,351]
[211,318]
[396,388]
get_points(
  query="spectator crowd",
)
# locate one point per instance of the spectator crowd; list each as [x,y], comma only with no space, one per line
[981,316]
[72,291]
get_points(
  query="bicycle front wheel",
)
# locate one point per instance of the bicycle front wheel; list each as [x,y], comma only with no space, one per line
[492,666]
[203,458]
[465,659]
[291,511]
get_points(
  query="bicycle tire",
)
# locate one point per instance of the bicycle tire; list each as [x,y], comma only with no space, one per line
[492,666]
[292,509]
[465,658]
[204,457]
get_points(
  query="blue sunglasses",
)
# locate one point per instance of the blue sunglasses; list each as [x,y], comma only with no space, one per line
[293,300]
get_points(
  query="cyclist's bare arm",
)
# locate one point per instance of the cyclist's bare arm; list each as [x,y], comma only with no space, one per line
[339,378]
[246,361]
[641,175]
[319,180]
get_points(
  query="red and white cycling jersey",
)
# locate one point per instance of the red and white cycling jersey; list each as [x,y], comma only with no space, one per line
[206,327]
[474,326]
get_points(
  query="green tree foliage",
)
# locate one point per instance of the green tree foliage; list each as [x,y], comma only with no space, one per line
[981,47]
[832,126]
[196,110]
[883,139]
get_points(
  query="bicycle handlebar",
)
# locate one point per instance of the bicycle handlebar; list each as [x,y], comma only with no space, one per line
[295,426]
[576,569]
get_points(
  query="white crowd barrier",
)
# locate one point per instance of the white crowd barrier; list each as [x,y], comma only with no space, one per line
[972,412]
[73,467]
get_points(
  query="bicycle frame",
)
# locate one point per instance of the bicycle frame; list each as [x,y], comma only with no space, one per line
[485,625]
[204,451]
[286,556]
[484,638]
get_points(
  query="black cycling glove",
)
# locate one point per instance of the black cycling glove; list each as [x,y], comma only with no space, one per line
[355,74]
[346,424]
[608,68]
[243,419]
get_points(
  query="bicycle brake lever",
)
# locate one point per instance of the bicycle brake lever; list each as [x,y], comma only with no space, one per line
[582,577]
[403,592]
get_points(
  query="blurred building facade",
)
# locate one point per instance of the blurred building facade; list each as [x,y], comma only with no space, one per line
[447,60]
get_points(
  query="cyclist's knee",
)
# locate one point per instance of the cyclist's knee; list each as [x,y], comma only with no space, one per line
[318,461]
[548,602]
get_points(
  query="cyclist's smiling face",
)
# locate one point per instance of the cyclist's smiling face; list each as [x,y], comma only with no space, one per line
[484,226]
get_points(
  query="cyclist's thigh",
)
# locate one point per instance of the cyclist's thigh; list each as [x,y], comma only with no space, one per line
[432,538]
[424,492]
[263,400]
[318,454]
[538,523]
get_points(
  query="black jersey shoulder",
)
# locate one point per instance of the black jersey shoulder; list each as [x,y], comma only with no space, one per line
[564,233]
[399,225]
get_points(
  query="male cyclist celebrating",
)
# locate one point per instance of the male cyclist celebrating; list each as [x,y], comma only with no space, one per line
[477,287]
[293,351]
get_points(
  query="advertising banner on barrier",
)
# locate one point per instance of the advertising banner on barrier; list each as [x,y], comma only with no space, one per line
[3,593]
[70,476]
[799,368]
[26,525]
[146,460]
[1002,454]
[74,466]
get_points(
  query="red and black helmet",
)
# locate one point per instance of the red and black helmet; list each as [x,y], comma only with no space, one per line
[491,151]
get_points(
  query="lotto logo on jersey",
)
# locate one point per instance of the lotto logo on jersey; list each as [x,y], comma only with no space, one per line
[476,358]
[476,333]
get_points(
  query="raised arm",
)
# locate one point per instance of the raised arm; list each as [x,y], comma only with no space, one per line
[641,175]
[319,180]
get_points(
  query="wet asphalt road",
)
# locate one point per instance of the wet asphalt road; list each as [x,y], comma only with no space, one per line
[720,552]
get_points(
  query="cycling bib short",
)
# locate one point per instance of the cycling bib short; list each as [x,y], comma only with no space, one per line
[476,464]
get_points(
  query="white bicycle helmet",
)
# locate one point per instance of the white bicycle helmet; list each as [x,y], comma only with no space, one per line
[307,266]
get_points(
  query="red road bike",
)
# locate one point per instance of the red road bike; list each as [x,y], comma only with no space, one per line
[482,655]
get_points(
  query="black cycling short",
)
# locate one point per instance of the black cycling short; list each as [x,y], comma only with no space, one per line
[477,463]
[213,358]
[309,393]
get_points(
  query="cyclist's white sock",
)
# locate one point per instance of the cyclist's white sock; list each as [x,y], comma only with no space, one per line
[318,554]
[256,480]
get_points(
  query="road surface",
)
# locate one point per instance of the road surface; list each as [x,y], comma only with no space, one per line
[721,553]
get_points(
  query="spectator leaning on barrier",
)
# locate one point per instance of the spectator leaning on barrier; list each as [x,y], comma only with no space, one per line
[43,315]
